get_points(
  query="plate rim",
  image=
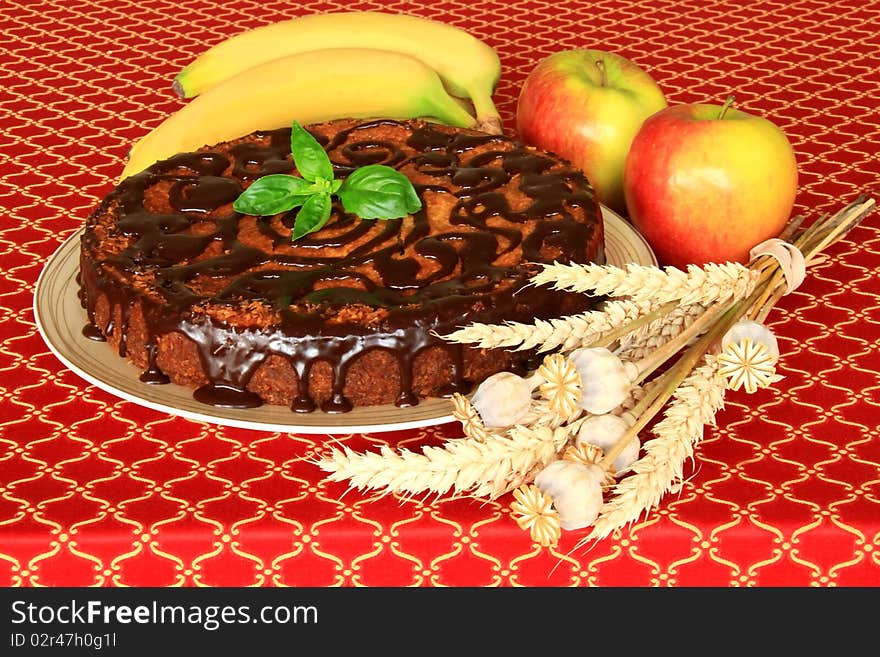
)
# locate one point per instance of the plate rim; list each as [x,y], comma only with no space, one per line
[331,424]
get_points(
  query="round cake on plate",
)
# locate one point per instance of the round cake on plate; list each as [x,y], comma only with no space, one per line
[195,293]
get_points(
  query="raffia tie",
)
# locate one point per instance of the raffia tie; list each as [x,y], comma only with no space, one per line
[790,258]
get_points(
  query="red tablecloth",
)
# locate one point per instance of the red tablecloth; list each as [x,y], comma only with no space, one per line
[95,490]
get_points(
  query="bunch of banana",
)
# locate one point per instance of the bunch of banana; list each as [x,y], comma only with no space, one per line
[468,67]
[326,66]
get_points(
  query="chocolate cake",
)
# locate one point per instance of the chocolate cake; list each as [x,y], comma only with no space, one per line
[195,293]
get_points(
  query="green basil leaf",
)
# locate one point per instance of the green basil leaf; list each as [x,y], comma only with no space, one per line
[310,158]
[272,194]
[312,216]
[377,191]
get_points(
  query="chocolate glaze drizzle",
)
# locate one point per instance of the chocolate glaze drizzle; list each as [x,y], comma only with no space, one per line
[197,255]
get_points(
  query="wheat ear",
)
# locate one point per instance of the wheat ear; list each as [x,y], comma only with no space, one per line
[709,283]
[485,468]
[565,333]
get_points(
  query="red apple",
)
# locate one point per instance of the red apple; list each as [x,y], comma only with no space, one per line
[705,183]
[586,106]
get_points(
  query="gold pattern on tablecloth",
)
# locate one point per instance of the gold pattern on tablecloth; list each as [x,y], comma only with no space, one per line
[99,491]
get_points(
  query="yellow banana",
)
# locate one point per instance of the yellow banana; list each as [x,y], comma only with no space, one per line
[311,86]
[469,67]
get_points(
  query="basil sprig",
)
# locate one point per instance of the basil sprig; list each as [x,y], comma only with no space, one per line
[374,191]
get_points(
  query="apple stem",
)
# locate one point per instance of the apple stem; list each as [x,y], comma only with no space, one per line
[602,72]
[728,102]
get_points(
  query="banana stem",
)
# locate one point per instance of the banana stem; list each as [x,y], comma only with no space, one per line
[488,118]
[448,110]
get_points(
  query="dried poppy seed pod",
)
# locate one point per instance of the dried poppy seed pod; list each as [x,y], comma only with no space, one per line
[502,399]
[576,490]
[605,431]
[605,379]
[747,328]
